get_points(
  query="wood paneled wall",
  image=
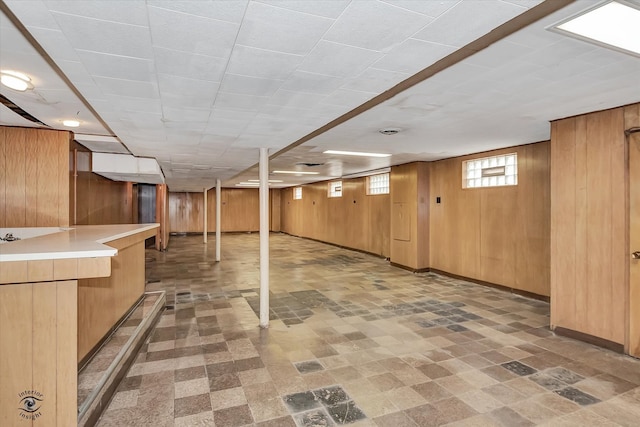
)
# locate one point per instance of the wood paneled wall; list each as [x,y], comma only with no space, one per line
[632,120]
[498,235]
[34,177]
[589,234]
[354,220]
[409,186]
[240,210]
[98,200]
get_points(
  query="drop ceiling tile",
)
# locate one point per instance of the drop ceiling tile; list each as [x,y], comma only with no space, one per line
[103,36]
[287,98]
[338,60]
[413,56]
[192,66]
[123,11]
[179,101]
[143,105]
[75,71]
[33,13]
[375,80]
[187,87]
[194,34]
[9,118]
[348,98]
[246,85]
[230,11]
[375,25]
[136,89]
[312,83]
[549,55]
[184,115]
[326,8]
[248,61]
[116,66]
[429,8]
[476,17]
[281,30]
[240,102]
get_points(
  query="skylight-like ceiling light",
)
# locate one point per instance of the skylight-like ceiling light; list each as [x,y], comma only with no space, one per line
[15,80]
[356,153]
[615,24]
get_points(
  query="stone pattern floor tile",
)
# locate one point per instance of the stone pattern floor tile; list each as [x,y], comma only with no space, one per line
[354,341]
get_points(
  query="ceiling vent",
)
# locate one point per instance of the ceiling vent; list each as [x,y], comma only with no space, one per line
[389,131]
[309,164]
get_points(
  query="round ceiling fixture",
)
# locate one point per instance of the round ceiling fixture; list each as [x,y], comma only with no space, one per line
[71,123]
[389,131]
[15,80]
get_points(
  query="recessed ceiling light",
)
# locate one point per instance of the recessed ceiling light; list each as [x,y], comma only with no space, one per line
[356,153]
[297,172]
[614,24]
[389,131]
[71,123]
[15,80]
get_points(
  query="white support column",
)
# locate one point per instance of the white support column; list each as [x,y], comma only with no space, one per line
[204,227]
[264,237]
[218,210]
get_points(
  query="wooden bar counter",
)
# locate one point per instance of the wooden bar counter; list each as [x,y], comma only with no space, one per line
[60,294]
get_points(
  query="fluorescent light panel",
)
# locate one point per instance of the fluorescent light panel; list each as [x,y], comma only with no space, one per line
[613,24]
[271,180]
[356,153]
[297,172]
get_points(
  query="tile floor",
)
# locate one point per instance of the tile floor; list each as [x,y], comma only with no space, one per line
[355,341]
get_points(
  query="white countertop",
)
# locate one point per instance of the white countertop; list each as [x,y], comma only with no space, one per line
[79,241]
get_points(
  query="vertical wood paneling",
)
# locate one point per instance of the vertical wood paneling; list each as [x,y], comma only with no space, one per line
[31,184]
[3,178]
[66,350]
[498,235]
[589,224]
[632,119]
[16,353]
[44,341]
[16,179]
[47,178]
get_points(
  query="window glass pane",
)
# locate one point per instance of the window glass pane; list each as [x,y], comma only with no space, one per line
[378,184]
[473,169]
[297,193]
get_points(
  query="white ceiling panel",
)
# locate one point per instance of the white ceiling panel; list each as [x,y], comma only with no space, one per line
[230,11]
[240,102]
[124,11]
[247,85]
[348,98]
[394,25]
[194,34]
[248,61]
[375,80]
[338,60]
[429,8]
[185,115]
[287,98]
[117,67]
[301,81]
[187,88]
[188,65]
[105,36]
[413,56]
[34,13]
[326,8]
[467,21]
[124,87]
[273,28]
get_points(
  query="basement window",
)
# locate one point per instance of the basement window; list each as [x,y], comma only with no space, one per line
[495,171]
[378,184]
[335,189]
[297,193]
